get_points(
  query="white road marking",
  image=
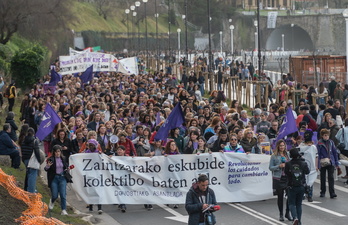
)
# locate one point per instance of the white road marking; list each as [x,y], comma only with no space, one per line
[177,216]
[337,187]
[323,209]
[256,214]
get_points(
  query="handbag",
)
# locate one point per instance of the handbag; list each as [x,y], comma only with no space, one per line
[325,162]
[33,162]
[68,176]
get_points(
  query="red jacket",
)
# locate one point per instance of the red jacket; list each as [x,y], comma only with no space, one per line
[130,149]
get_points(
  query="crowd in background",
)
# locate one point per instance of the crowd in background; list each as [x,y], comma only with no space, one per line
[134,107]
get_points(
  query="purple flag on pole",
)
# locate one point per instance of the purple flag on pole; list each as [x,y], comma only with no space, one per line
[288,126]
[174,120]
[49,120]
[158,118]
[55,78]
[87,75]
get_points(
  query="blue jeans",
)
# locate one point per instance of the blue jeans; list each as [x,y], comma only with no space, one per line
[30,178]
[58,185]
[201,88]
[295,196]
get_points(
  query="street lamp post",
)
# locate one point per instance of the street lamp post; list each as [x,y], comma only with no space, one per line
[146,46]
[132,8]
[258,38]
[127,12]
[209,36]
[256,34]
[345,15]
[137,4]
[179,53]
[220,42]
[292,37]
[283,43]
[231,29]
[186,35]
[157,44]
[134,15]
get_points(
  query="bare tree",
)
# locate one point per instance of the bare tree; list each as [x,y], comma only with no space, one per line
[21,14]
[104,7]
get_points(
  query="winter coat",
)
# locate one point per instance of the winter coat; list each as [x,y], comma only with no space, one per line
[28,146]
[327,152]
[193,204]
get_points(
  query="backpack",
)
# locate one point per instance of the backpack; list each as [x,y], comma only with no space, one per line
[296,175]
[7,92]
[312,123]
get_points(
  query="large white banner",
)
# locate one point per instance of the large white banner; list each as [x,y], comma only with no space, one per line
[235,177]
[272,20]
[80,62]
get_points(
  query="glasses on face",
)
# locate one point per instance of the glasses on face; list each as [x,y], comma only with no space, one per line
[234,139]
[250,133]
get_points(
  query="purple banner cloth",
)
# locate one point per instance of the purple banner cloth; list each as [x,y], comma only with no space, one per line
[288,126]
[174,120]
[49,120]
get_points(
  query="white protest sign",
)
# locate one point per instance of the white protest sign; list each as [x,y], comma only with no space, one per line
[235,177]
[79,62]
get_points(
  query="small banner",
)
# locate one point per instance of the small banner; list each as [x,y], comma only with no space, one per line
[235,177]
[272,20]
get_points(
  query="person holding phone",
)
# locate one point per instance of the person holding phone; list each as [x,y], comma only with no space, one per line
[55,168]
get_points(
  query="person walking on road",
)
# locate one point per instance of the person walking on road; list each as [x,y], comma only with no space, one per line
[198,199]
[296,170]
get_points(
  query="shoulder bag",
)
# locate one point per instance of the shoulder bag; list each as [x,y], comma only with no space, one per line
[341,146]
[324,162]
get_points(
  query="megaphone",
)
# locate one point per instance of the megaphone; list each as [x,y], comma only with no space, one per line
[113,139]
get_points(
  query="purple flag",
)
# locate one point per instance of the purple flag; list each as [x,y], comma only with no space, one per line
[87,75]
[49,120]
[174,120]
[158,118]
[55,78]
[288,126]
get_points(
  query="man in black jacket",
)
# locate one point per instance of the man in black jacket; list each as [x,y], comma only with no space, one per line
[296,169]
[199,198]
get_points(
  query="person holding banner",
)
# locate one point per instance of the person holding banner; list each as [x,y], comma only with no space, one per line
[92,146]
[199,200]
[277,165]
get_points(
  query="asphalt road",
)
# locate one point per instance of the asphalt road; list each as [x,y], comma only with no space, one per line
[323,211]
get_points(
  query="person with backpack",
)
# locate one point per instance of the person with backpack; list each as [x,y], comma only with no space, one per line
[10,93]
[295,170]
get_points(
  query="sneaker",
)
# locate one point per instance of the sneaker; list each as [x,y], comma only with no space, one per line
[64,212]
[322,195]
[100,211]
[51,204]
[295,222]
[333,196]
[176,206]
[123,209]
[310,199]
[146,206]
[149,207]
